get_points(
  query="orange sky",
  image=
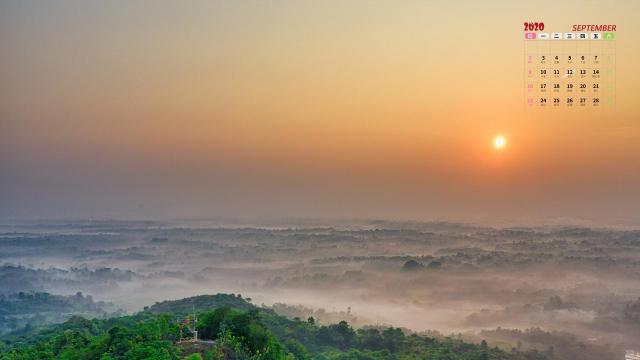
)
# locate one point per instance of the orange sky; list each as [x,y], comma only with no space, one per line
[288,108]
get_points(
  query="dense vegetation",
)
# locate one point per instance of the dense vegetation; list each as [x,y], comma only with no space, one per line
[232,328]
[25,310]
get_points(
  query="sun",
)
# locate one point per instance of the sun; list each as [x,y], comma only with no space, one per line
[499,142]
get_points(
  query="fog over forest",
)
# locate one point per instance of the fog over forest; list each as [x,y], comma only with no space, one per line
[570,290]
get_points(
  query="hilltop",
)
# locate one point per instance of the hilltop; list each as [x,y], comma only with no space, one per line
[230,327]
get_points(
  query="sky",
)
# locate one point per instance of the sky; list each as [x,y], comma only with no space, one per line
[386,109]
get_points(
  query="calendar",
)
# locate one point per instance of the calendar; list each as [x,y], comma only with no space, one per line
[575,68]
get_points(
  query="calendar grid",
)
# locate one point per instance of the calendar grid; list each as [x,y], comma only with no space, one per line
[571,70]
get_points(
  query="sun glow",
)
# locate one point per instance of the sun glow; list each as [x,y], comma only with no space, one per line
[499,142]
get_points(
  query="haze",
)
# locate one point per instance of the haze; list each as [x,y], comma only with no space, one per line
[573,290]
[154,109]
